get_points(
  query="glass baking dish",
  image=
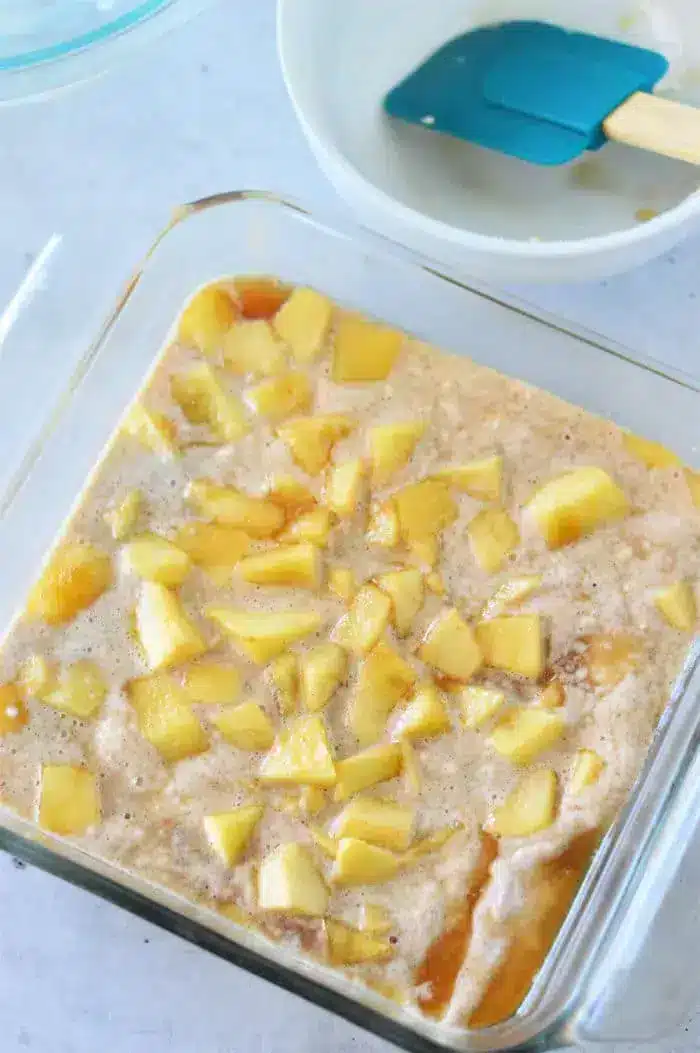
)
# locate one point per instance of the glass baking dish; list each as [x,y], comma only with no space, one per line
[602,978]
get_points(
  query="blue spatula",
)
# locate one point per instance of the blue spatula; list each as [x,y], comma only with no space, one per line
[546,94]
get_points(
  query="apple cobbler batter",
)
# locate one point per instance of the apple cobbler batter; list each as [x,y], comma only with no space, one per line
[358,643]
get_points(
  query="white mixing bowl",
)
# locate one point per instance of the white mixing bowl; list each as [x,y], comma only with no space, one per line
[477,212]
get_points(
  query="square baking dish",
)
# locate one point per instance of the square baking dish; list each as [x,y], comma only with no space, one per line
[616,927]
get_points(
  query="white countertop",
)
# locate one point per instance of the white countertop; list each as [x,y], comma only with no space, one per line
[203,111]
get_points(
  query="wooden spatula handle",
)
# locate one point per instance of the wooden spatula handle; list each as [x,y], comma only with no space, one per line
[659,125]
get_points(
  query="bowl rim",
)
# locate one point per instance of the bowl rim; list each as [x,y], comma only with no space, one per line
[347,175]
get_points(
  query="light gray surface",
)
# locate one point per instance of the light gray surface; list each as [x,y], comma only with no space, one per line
[203,111]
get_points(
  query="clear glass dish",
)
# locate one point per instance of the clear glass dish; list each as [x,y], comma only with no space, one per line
[47,44]
[600,981]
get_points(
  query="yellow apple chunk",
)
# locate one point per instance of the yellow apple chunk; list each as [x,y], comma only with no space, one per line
[69,803]
[586,770]
[123,517]
[366,620]
[153,430]
[302,323]
[492,536]
[327,844]
[210,683]
[294,566]
[523,734]
[165,631]
[344,487]
[207,318]
[301,756]
[610,657]
[375,918]
[677,606]
[365,769]
[246,726]
[432,842]
[575,504]
[165,717]
[13,710]
[314,526]
[479,705]
[424,716]
[424,509]
[348,946]
[511,593]
[154,558]
[312,800]
[229,833]
[342,583]
[482,479]
[253,349]
[293,497]
[514,643]
[363,351]
[406,589]
[76,575]
[212,546]
[36,676]
[379,822]
[283,676]
[529,808]
[263,635]
[384,679]
[257,517]
[203,399]
[359,863]
[451,647]
[552,696]
[281,396]
[321,671]
[651,454]
[391,448]
[290,883]
[80,691]
[310,440]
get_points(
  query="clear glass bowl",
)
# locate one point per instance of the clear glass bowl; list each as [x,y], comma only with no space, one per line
[47,44]
[622,966]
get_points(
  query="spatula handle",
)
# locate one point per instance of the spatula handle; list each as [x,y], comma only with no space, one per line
[659,125]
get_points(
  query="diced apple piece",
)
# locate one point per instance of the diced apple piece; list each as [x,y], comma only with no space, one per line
[586,770]
[479,705]
[405,587]
[123,517]
[154,558]
[327,844]
[203,399]
[510,593]
[13,711]
[375,918]
[310,440]
[425,715]
[283,675]
[451,647]
[165,632]
[302,322]
[523,734]
[610,657]
[344,487]
[165,717]
[212,546]
[651,454]
[391,448]
[514,643]
[677,605]
[348,946]
[229,833]
[69,802]
[281,396]
[424,509]
[435,584]
[225,504]
[76,575]
[321,671]
[432,842]
[482,479]
[342,583]
[207,318]
[294,497]
[359,863]
[301,756]
[366,620]
[385,678]
[363,351]
[312,800]
[529,808]
[366,769]
[314,526]
[151,429]
[377,821]
[423,553]
[36,677]
[210,683]
[273,631]
[493,536]
[575,504]
[246,726]
[259,296]
[80,691]
[552,696]
[252,348]
[693,481]
[383,526]
[296,566]
[411,766]
[290,883]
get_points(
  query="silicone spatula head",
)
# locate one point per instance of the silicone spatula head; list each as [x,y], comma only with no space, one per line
[528,89]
